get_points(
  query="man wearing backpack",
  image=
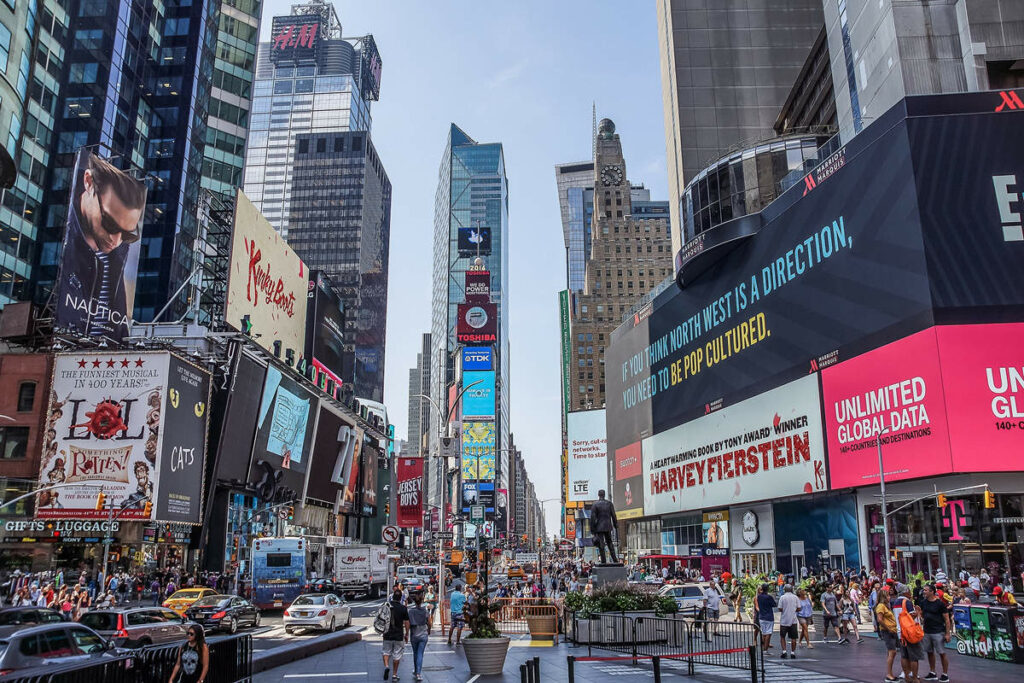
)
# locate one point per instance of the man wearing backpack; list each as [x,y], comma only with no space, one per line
[911,634]
[396,633]
[938,630]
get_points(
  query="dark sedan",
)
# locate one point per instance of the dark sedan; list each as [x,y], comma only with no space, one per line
[16,616]
[223,613]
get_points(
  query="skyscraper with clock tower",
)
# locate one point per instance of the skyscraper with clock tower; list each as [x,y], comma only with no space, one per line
[630,254]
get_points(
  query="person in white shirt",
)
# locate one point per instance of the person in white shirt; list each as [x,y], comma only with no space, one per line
[712,603]
[664,573]
[788,606]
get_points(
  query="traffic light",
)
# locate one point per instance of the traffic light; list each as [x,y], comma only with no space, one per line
[387,509]
[101,500]
[941,501]
[291,513]
[525,538]
[147,509]
[990,499]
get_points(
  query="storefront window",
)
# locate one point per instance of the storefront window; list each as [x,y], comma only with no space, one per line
[11,490]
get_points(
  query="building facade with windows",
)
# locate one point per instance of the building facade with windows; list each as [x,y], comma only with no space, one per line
[472,192]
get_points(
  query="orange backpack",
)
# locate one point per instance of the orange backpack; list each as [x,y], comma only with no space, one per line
[910,630]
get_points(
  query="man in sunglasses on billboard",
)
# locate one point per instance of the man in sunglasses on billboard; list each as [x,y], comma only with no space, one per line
[93,294]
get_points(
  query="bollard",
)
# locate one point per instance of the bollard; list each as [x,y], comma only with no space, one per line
[657,669]
[524,676]
[753,663]
[571,663]
[536,669]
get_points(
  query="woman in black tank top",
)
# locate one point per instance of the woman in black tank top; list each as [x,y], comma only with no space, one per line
[193,658]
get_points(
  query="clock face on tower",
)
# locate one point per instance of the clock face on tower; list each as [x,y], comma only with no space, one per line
[611,174]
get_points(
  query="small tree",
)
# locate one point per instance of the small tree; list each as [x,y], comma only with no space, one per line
[481,624]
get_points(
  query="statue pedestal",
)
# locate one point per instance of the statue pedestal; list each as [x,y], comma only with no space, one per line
[608,573]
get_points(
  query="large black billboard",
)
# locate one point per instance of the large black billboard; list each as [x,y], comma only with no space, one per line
[909,221]
[325,329]
[333,450]
[295,37]
[234,450]
[284,432]
[184,444]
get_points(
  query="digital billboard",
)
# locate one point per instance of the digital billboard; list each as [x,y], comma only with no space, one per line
[284,429]
[478,286]
[325,330]
[346,468]
[478,451]
[267,282]
[183,452]
[473,241]
[587,455]
[104,431]
[894,391]
[370,67]
[764,447]
[238,428]
[368,480]
[477,358]
[477,323]
[409,489]
[478,493]
[478,400]
[331,463]
[95,290]
[983,376]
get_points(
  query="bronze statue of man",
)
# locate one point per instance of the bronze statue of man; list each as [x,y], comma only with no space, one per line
[602,523]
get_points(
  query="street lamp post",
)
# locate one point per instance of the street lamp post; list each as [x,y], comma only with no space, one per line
[885,510]
[444,475]
[540,546]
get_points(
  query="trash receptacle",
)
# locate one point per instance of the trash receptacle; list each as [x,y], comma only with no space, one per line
[982,632]
[1001,632]
[962,630]
[1017,619]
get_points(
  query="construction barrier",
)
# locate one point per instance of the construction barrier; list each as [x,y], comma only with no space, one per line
[540,617]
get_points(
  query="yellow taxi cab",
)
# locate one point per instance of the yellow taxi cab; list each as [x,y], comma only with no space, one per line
[516,572]
[183,599]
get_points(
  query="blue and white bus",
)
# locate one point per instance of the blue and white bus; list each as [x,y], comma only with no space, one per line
[278,571]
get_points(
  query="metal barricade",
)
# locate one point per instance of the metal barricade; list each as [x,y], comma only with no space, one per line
[537,616]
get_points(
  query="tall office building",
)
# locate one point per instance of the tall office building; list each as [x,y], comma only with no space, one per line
[726,69]
[883,50]
[313,171]
[132,80]
[472,191]
[419,408]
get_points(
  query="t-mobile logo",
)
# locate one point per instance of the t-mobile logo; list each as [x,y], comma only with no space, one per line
[1006,198]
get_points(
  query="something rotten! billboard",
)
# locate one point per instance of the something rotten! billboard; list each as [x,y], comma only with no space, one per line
[95,291]
[105,431]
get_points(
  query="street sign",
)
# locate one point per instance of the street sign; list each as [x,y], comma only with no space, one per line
[390,534]
[443,535]
[476,513]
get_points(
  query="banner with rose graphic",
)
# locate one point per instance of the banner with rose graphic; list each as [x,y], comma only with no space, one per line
[104,432]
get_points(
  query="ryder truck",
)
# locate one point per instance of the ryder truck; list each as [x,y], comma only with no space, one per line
[361,569]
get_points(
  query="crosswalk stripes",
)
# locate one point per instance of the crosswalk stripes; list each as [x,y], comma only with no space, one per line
[773,673]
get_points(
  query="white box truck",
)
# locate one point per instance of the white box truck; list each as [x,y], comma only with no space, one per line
[361,569]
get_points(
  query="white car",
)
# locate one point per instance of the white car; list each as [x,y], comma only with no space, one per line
[688,596]
[325,611]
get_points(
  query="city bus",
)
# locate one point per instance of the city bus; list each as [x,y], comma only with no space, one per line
[278,571]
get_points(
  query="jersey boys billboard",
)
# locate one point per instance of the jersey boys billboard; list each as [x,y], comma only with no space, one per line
[765,447]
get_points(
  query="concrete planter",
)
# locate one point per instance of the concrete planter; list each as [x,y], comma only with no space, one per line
[486,656]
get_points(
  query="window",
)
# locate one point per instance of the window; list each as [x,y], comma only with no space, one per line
[5,47]
[84,72]
[78,107]
[26,396]
[86,642]
[55,644]
[13,442]
[303,146]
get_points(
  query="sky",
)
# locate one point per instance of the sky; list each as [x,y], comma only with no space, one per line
[524,73]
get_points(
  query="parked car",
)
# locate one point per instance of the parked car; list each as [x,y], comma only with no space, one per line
[414,585]
[15,616]
[137,626]
[183,599]
[66,642]
[689,597]
[223,612]
[317,610]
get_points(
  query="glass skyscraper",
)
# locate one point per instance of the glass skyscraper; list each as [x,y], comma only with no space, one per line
[313,171]
[472,191]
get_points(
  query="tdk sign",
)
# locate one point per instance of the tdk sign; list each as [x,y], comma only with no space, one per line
[477,358]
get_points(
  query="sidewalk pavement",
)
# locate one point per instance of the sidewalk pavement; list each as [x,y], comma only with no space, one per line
[826,663]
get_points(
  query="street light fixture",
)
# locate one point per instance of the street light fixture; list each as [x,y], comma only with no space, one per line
[885,510]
